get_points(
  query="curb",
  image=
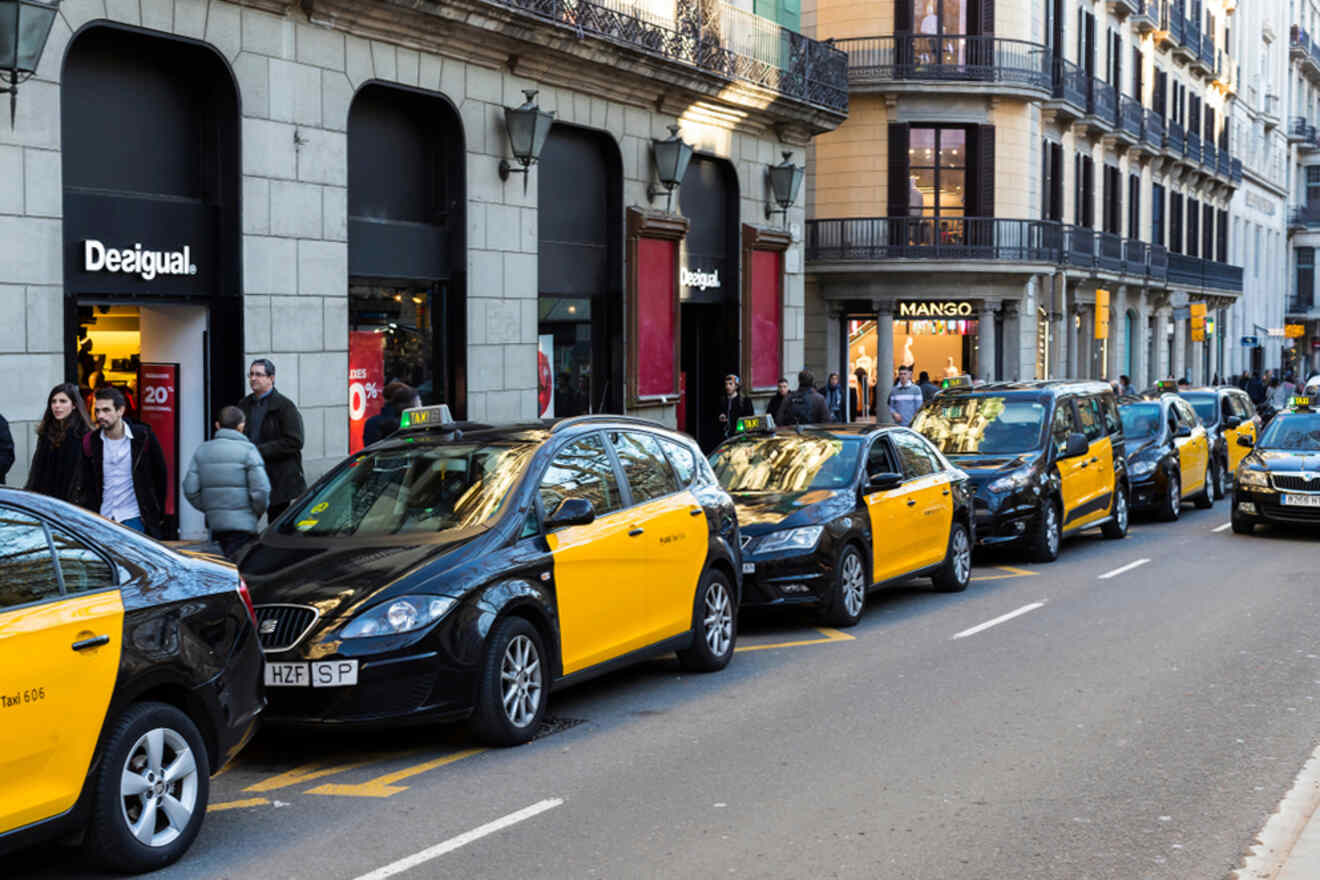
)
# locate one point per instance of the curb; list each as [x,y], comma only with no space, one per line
[1289,844]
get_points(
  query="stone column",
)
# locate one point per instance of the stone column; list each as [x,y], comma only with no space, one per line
[1162,366]
[1141,344]
[1012,340]
[835,352]
[1059,329]
[985,336]
[1026,327]
[1179,365]
[1073,335]
[884,358]
[1117,352]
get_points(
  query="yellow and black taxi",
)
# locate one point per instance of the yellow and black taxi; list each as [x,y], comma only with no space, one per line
[827,513]
[129,673]
[1227,414]
[1279,479]
[1171,455]
[1045,458]
[460,570]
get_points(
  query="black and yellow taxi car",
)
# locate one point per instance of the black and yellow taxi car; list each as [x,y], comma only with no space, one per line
[128,675]
[1045,458]
[1170,454]
[460,570]
[1279,479]
[1227,414]
[829,512]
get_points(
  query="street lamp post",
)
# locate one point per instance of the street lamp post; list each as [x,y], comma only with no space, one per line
[24,28]
[785,182]
[528,127]
[672,156]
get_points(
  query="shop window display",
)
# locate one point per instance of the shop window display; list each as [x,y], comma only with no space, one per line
[937,347]
[404,323]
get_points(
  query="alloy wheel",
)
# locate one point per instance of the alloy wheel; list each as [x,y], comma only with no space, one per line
[1051,529]
[962,556]
[854,584]
[1175,497]
[520,678]
[1221,482]
[158,787]
[718,620]
[1121,511]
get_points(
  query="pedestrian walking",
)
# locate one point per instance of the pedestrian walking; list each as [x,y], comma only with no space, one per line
[834,398]
[1278,396]
[274,424]
[122,473]
[734,406]
[805,406]
[6,449]
[905,398]
[928,388]
[227,482]
[59,443]
[1256,389]
[772,408]
[398,397]
[1124,385]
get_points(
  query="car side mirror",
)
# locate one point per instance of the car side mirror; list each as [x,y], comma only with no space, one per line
[1182,431]
[1075,446]
[571,512]
[1232,422]
[1244,440]
[883,482]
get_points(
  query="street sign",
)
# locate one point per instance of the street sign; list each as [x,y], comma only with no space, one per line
[1101,313]
[1274,331]
[1198,321]
[1294,331]
[1250,342]
[1182,313]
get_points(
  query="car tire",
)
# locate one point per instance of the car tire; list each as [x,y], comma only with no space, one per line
[1045,541]
[1205,499]
[153,780]
[1242,525]
[514,684]
[956,572]
[1117,527]
[714,625]
[1171,505]
[1221,480]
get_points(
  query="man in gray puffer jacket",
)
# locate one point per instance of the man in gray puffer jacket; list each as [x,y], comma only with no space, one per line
[227,481]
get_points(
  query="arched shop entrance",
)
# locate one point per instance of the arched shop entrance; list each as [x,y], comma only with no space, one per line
[150,135]
[580,272]
[406,305]
[708,294]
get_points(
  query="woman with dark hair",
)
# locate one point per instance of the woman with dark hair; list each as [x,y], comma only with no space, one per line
[59,443]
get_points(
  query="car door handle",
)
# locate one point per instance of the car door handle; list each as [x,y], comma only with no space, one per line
[912,502]
[93,642]
[696,511]
[635,532]
[945,492]
[1094,459]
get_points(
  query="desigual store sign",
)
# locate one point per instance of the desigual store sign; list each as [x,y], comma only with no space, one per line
[146,264]
[935,310]
[133,245]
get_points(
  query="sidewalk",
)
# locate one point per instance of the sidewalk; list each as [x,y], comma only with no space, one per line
[1303,862]
[1289,844]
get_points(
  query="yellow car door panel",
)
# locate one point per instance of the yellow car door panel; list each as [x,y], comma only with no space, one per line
[53,699]
[601,601]
[928,502]
[891,542]
[1237,452]
[674,547]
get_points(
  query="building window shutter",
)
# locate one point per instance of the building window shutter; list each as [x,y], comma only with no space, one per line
[903,16]
[987,12]
[1088,192]
[899,183]
[1056,194]
[984,157]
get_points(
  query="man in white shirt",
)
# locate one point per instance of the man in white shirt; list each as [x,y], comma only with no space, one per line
[123,475]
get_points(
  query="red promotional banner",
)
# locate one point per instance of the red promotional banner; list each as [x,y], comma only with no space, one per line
[366,381]
[158,408]
[766,319]
[655,317]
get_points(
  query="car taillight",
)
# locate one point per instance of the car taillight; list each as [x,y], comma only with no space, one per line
[247,600]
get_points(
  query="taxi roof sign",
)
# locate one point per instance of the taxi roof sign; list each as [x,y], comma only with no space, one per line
[1301,403]
[425,417]
[1166,385]
[963,381]
[753,424]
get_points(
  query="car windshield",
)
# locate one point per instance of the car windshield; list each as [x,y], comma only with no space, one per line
[982,425]
[1296,432]
[1140,419]
[433,488]
[1205,405]
[786,463]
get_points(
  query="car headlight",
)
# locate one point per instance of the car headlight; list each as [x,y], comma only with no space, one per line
[1253,477]
[400,615]
[1140,469]
[803,538]
[1016,480]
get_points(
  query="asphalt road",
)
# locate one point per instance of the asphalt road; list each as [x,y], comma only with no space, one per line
[1138,726]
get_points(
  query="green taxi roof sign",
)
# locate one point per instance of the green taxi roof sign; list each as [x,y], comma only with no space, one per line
[963,381]
[1166,385]
[754,424]
[1301,403]
[425,417]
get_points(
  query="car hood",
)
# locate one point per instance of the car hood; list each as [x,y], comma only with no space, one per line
[335,577]
[1283,460]
[1139,445]
[986,467]
[761,512]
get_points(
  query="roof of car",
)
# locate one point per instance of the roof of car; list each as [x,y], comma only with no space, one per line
[1054,386]
[541,430]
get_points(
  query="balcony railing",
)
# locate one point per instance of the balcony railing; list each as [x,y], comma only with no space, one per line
[1171,19]
[1299,41]
[1192,147]
[1146,16]
[1207,53]
[1152,131]
[1104,101]
[1224,166]
[962,59]
[1071,84]
[1174,138]
[1301,304]
[1130,114]
[715,37]
[1297,128]
[1208,154]
[1305,216]
[872,239]
[1236,174]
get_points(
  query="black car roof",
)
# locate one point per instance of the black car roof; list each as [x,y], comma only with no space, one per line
[1052,387]
[539,430]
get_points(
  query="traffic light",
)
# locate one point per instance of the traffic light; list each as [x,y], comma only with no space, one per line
[1101,313]
[1198,322]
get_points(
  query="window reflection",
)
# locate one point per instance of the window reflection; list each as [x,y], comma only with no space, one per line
[982,425]
[581,470]
[644,465]
[25,560]
[937,165]
[785,464]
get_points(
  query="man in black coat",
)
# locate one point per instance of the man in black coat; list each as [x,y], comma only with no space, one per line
[398,397]
[122,474]
[275,426]
[733,406]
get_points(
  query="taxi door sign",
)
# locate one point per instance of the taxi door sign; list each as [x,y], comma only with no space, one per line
[1101,313]
[1198,321]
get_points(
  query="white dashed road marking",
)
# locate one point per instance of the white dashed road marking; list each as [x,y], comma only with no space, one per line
[980,627]
[1123,569]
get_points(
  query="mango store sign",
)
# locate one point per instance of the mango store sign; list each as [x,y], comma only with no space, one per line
[146,264]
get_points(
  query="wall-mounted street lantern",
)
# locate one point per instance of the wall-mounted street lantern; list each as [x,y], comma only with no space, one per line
[528,127]
[786,182]
[24,28]
[671,156]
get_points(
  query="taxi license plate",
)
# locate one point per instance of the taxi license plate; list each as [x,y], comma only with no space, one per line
[749,568]
[1302,500]
[324,673]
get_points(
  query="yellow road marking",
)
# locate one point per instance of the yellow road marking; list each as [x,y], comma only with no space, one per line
[1011,572]
[308,772]
[237,805]
[383,786]
[831,635]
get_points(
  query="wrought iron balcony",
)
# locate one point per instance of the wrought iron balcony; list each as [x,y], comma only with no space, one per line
[715,37]
[1297,129]
[1174,137]
[1189,47]
[1104,102]
[1131,113]
[1208,154]
[1299,42]
[880,62]
[1236,176]
[1072,86]
[1224,167]
[1152,131]
[1199,272]
[1305,217]
[1192,147]
[1171,22]
[1146,17]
